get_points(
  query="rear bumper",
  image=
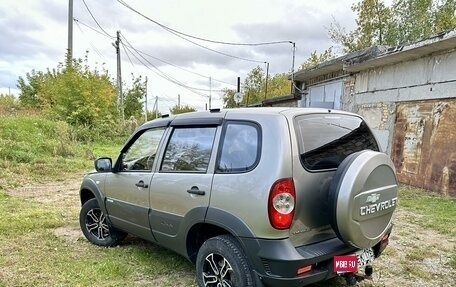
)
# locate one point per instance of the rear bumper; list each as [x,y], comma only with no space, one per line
[276,262]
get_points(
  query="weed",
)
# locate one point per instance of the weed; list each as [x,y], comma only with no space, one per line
[453,259]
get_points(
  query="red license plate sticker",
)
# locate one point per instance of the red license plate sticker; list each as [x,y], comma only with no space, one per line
[346,263]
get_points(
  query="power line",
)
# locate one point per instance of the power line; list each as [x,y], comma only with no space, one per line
[174,65]
[94,19]
[164,75]
[149,55]
[91,44]
[204,39]
[188,40]
[93,29]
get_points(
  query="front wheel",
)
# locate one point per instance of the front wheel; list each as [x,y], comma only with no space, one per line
[222,262]
[95,227]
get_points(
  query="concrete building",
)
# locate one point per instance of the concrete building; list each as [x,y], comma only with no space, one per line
[408,96]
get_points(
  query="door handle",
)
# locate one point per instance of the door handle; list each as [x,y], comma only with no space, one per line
[195,190]
[141,184]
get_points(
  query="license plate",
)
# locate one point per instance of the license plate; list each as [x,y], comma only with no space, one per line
[365,257]
[353,262]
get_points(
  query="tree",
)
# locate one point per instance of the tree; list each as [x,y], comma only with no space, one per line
[133,99]
[278,85]
[151,115]
[372,24]
[445,16]
[316,59]
[405,21]
[412,20]
[228,98]
[8,103]
[253,86]
[181,109]
[72,93]
[30,87]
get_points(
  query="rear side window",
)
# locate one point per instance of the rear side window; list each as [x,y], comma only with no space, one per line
[240,148]
[325,140]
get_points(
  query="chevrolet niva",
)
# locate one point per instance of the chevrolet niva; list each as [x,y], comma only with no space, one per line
[251,196]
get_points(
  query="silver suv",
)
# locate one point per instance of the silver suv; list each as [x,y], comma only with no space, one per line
[253,197]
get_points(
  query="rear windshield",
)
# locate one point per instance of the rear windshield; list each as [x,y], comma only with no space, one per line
[325,140]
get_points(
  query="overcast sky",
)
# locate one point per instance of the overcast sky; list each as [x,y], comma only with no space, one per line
[34,35]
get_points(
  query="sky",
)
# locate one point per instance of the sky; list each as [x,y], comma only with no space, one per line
[34,35]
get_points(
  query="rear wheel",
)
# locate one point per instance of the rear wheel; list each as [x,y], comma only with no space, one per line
[95,227]
[221,262]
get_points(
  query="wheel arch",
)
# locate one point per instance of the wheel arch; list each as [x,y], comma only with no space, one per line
[89,190]
[217,222]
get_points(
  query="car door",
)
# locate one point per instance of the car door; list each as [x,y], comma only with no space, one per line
[180,190]
[127,189]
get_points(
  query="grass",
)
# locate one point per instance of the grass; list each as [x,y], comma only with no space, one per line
[439,212]
[453,259]
[35,149]
[34,254]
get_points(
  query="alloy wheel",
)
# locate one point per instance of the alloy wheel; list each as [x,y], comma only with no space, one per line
[217,271]
[96,224]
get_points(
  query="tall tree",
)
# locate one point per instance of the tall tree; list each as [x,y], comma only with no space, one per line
[405,21]
[253,86]
[133,98]
[278,85]
[228,98]
[412,20]
[445,16]
[315,59]
[373,22]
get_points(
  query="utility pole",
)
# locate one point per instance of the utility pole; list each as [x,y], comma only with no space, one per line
[156,106]
[292,68]
[179,101]
[266,84]
[116,45]
[210,92]
[70,32]
[145,104]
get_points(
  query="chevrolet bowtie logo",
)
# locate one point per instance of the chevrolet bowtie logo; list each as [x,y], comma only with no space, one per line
[373,198]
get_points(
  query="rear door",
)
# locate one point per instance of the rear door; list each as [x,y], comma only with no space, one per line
[181,188]
[323,141]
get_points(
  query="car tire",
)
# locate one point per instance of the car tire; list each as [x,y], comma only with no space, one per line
[95,227]
[221,261]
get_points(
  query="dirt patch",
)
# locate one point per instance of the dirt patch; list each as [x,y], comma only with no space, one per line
[69,233]
[415,256]
[47,192]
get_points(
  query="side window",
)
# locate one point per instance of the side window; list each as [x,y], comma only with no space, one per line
[141,154]
[240,148]
[189,149]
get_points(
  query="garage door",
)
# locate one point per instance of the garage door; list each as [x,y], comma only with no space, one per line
[424,145]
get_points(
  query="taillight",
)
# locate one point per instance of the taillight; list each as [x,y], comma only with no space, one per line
[281,203]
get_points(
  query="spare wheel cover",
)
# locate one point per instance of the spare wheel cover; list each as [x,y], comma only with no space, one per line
[363,196]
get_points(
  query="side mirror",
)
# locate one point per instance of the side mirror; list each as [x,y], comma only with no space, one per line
[103,164]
